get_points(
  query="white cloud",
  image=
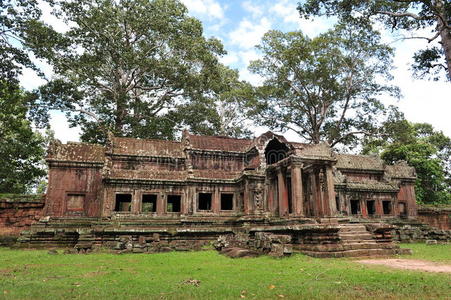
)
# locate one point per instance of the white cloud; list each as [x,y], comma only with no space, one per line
[252,78]
[229,59]
[30,80]
[254,9]
[60,126]
[210,8]
[50,19]
[287,12]
[249,34]
[249,55]
[424,100]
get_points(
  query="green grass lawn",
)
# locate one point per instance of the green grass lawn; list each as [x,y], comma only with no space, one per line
[26,274]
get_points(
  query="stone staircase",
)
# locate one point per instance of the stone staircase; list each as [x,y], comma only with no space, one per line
[356,240]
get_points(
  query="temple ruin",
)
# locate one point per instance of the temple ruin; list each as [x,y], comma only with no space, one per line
[265,193]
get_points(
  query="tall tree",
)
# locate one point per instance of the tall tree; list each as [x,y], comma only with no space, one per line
[402,15]
[138,68]
[325,88]
[230,114]
[422,147]
[15,16]
[21,149]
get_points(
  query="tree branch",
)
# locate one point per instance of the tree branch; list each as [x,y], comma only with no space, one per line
[406,14]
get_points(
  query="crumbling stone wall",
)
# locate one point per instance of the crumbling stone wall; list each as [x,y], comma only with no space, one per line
[18,212]
[277,245]
[435,217]
[409,231]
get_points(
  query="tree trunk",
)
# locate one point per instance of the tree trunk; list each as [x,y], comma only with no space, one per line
[445,34]
[446,44]
[120,114]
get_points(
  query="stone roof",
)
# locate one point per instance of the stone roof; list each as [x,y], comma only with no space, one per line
[147,147]
[359,162]
[76,152]
[218,143]
[401,170]
[372,186]
[216,174]
[312,151]
[147,175]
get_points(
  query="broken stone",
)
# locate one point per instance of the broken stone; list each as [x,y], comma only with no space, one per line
[52,252]
[239,252]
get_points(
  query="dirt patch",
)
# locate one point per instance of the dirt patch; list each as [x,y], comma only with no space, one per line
[409,264]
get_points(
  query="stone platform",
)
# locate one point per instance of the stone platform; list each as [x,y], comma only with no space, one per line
[332,237]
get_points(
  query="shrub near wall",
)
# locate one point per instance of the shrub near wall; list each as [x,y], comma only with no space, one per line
[18,212]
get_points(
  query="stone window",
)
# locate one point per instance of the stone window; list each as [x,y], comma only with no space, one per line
[355,207]
[371,207]
[337,202]
[149,203]
[123,202]
[204,202]
[75,202]
[402,209]
[386,206]
[226,201]
[174,203]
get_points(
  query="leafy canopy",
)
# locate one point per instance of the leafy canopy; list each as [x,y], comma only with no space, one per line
[137,68]
[411,16]
[15,16]
[21,149]
[325,88]
[422,147]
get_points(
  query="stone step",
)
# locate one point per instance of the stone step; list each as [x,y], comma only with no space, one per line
[344,247]
[352,253]
[356,237]
[353,229]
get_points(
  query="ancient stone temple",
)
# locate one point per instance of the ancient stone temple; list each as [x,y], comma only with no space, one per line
[264,193]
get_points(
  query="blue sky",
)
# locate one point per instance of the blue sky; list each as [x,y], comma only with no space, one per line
[241,24]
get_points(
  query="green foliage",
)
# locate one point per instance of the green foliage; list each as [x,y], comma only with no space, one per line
[420,146]
[14,17]
[25,274]
[325,88]
[21,149]
[402,16]
[136,68]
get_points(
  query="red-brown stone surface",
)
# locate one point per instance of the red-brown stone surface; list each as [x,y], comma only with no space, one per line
[17,213]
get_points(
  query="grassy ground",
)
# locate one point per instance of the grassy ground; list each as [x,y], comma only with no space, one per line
[26,274]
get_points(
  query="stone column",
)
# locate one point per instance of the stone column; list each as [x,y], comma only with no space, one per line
[283,194]
[187,205]
[161,207]
[215,205]
[330,207]
[411,201]
[379,207]
[136,202]
[296,190]
[270,196]
[246,199]
[317,194]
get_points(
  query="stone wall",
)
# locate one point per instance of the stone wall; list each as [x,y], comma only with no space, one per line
[18,212]
[438,217]
[413,230]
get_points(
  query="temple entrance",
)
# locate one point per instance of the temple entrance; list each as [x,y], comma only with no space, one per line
[355,207]
[275,151]
[371,207]
[386,206]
